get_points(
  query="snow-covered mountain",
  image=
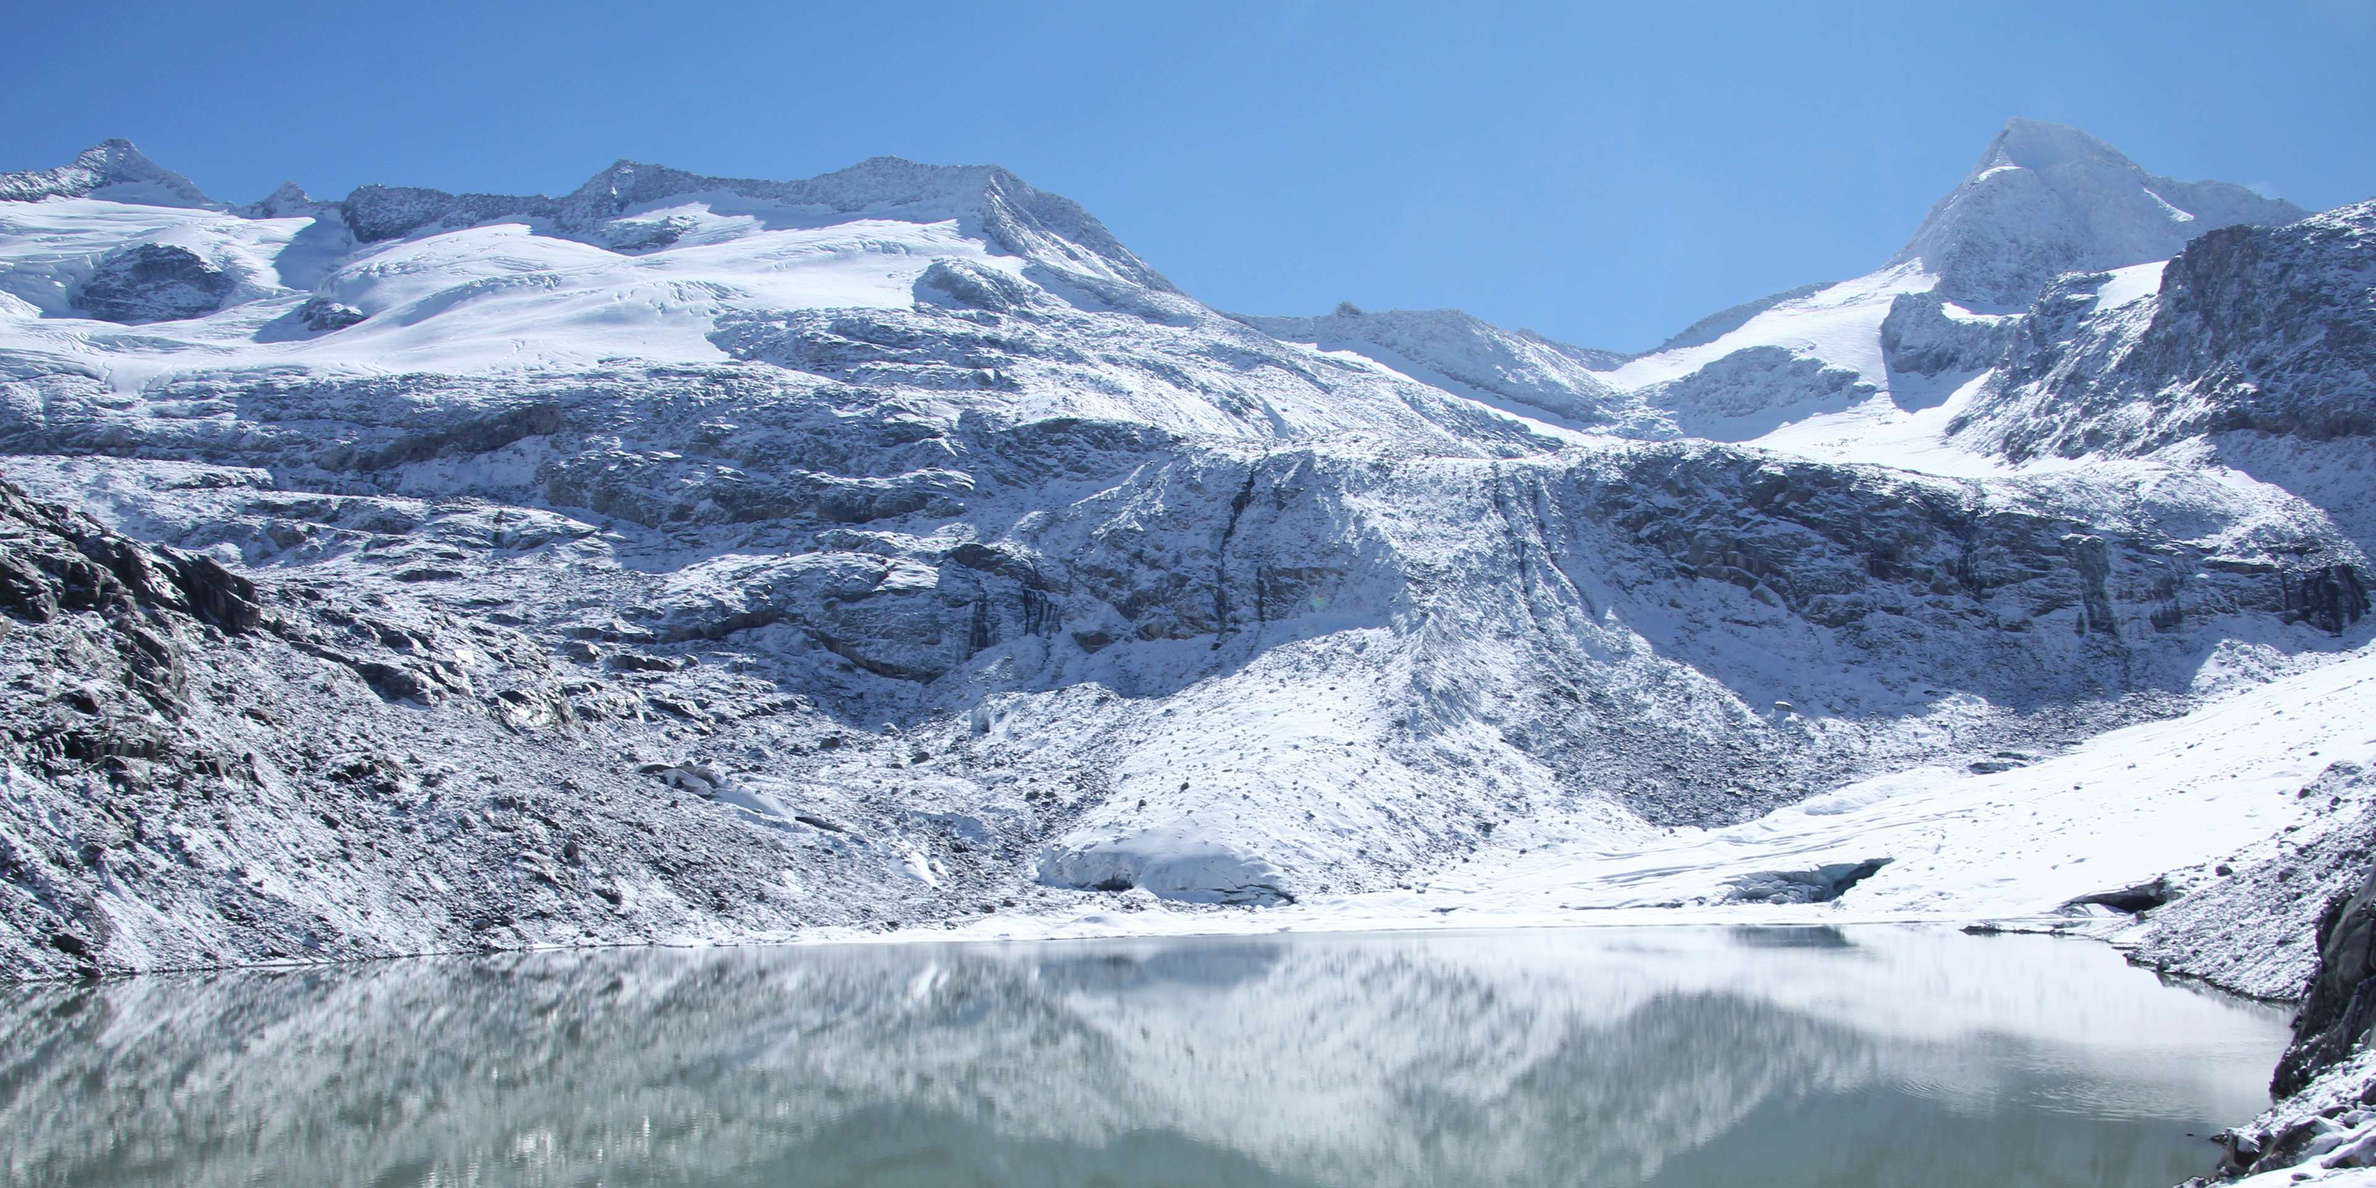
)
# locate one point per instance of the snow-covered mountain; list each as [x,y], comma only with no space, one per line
[111,170]
[2251,349]
[703,556]
[1846,369]
[2045,200]
[1836,362]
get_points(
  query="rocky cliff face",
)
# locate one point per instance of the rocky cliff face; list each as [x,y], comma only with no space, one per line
[2341,1004]
[2252,330]
[2253,350]
[204,770]
[2326,1081]
[1204,644]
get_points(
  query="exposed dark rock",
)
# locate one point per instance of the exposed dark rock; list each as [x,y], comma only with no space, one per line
[1819,885]
[2001,761]
[2260,330]
[153,282]
[216,595]
[2336,1016]
[2330,597]
[1919,337]
[2140,897]
[325,315]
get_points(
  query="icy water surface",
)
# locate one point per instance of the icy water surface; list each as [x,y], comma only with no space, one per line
[1671,1057]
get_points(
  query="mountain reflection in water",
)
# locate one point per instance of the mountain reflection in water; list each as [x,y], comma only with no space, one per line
[1670,1057]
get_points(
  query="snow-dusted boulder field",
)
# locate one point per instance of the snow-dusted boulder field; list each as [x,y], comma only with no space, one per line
[707,557]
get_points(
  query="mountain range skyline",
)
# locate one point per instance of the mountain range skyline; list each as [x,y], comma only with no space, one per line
[1601,177]
[2020,135]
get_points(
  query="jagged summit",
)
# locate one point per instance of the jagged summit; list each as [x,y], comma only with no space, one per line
[112,169]
[2046,199]
[288,200]
[882,181]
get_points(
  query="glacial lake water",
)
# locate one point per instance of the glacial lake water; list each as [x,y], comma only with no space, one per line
[1668,1057]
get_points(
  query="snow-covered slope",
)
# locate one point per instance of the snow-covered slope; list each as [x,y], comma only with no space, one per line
[897,542]
[961,281]
[1516,371]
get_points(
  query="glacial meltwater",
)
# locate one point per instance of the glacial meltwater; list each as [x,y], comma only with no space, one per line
[1670,1057]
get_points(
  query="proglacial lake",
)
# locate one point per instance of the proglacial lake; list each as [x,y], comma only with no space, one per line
[1668,1057]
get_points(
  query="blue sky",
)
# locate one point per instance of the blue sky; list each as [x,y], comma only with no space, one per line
[1603,175]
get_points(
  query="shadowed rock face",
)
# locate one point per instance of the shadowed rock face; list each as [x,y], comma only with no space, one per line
[2341,1007]
[55,563]
[2264,330]
[153,282]
[285,775]
[322,315]
[1819,885]
[2330,598]
[1920,337]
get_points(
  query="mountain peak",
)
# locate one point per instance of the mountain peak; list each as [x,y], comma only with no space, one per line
[113,168]
[288,200]
[2046,199]
[2036,144]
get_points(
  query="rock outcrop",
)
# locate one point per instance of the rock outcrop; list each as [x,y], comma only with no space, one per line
[2340,1008]
[153,282]
[201,770]
[2254,330]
